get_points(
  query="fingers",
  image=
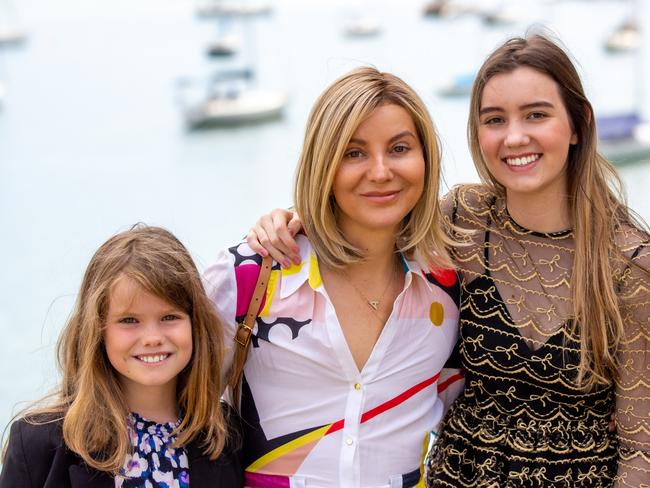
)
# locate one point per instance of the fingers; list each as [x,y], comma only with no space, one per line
[281,235]
[295,224]
[271,235]
[259,242]
[254,242]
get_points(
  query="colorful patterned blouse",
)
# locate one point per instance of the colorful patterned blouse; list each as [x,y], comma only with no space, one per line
[154,462]
[311,418]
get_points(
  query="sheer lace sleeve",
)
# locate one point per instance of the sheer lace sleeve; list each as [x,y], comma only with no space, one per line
[633,386]
[466,211]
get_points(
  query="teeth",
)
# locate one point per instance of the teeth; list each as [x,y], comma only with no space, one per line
[153,359]
[522,161]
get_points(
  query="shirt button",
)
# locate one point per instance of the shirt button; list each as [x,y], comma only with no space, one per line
[357,386]
[349,441]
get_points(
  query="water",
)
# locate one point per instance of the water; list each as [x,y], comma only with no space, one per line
[91,140]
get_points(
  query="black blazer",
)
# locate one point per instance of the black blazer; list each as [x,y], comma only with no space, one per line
[37,458]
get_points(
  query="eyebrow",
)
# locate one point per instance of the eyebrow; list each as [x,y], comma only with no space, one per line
[405,133]
[526,106]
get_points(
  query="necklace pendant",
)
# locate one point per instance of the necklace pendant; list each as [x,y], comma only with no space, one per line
[373,303]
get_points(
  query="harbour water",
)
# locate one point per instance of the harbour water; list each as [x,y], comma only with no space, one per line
[92,141]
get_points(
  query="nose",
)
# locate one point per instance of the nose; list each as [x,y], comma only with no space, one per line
[516,136]
[379,168]
[152,334]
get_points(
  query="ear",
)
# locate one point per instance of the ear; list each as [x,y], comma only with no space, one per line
[574,139]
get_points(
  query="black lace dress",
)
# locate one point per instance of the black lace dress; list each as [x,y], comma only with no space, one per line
[521,421]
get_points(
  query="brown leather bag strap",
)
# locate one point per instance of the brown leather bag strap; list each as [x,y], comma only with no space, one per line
[243,335]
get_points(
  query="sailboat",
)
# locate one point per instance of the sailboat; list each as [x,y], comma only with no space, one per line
[231,100]
[226,45]
[230,96]
[11,34]
[362,26]
[446,8]
[624,137]
[233,8]
[625,38]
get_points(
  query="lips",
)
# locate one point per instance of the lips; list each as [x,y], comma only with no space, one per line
[381,196]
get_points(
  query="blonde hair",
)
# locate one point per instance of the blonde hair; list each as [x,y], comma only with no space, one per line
[596,202]
[89,399]
[335,117]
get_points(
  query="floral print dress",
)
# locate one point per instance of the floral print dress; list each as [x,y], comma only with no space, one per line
[154,463]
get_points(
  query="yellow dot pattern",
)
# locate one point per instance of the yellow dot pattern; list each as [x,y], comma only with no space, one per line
[437,313]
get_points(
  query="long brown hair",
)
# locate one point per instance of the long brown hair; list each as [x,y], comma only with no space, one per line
[89,399]
[596,202]
[337,113]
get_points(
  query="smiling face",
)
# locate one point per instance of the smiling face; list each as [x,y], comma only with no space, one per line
[148,340]
[525,132]
[381,176]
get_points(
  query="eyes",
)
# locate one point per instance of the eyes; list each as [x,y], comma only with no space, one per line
[128,320]
[397,149]
[498,119]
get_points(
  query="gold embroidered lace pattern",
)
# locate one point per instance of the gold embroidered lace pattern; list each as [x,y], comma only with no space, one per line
[521,421]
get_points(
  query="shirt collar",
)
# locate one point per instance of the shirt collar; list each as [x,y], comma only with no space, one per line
[412,267]
[309,271]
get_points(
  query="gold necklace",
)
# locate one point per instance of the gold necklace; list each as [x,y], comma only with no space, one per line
[373,304]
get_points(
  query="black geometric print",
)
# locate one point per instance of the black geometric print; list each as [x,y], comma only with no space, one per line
[264,328]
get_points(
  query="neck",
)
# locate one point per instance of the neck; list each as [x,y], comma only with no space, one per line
[539,213]
[378,248]
[152,402]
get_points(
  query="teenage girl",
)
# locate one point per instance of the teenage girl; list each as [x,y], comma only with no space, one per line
[138,405]
[555,328]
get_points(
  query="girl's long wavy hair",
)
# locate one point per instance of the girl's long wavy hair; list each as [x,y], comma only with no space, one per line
[89,399]
[595,196]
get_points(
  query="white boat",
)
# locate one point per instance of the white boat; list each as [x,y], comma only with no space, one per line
[243,107]
[446,8]
[224,46]
[12,36]
[231,100]
[624,137]
[625,38]
[233,8]
[363,27]
[499,17]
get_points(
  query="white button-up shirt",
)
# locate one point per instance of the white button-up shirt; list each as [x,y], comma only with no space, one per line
[311,418]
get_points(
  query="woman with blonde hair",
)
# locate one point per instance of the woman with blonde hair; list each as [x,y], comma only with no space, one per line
[555,310]
[141,362]
[342,380]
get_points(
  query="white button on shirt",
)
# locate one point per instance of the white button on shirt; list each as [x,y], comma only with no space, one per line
[310,416]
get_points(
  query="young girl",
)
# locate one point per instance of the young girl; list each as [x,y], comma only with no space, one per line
[139,403]
[341,384]
[555,326]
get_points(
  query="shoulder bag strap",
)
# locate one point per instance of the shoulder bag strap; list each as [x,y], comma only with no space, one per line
[245,329]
